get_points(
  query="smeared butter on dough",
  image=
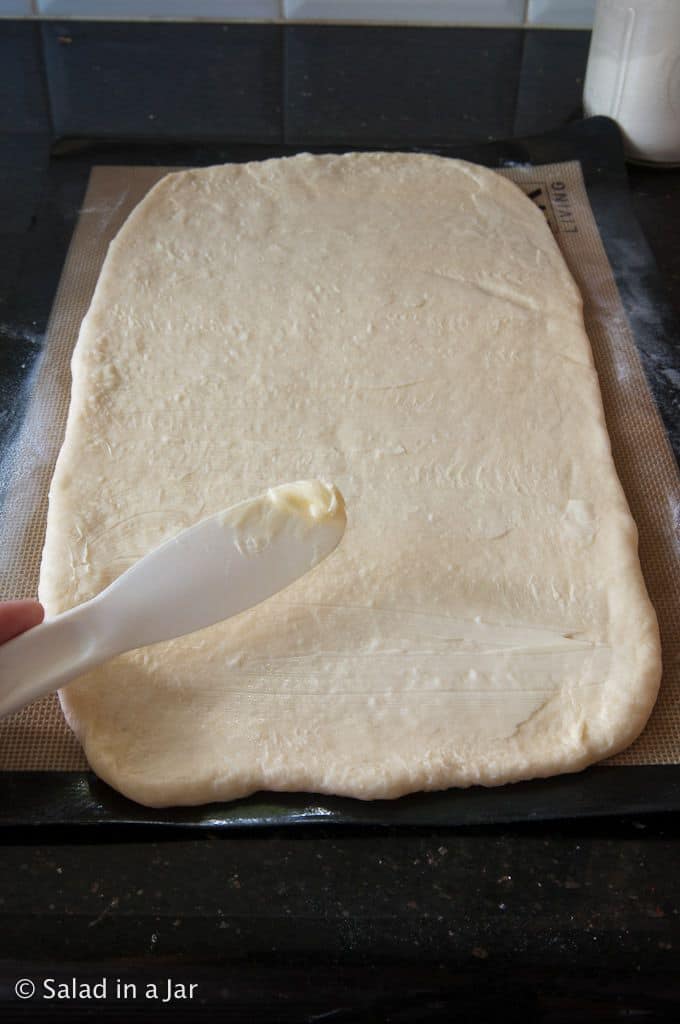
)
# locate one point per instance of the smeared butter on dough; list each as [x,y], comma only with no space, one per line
[406,326]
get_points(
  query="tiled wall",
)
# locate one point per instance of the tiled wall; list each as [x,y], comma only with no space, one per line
[555,13]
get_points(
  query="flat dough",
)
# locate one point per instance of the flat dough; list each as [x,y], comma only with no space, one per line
[405,326]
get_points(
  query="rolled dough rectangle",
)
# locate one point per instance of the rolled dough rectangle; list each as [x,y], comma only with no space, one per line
[404,325]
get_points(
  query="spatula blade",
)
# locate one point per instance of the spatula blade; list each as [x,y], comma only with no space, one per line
[225,564]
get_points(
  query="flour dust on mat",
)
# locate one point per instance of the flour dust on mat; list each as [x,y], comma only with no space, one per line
[406,326]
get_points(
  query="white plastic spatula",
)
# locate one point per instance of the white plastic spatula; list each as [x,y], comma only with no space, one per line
[213,570]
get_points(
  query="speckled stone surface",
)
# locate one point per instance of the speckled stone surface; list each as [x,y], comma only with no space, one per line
[293,927]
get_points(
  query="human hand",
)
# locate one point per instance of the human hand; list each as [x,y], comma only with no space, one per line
[18,616]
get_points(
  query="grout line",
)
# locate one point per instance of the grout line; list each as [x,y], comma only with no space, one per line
[45,79]
[518,86]
[283,91]
[300,22]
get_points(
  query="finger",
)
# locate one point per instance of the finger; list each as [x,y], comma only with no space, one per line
[18,616]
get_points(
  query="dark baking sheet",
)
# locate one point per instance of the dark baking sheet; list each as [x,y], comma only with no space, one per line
[62,798]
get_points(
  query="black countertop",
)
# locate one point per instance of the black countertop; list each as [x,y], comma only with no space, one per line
[539,922]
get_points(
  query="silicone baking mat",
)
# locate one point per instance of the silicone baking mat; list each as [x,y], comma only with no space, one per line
[38,739]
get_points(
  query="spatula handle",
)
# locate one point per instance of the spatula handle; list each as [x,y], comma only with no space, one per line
[49,655]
